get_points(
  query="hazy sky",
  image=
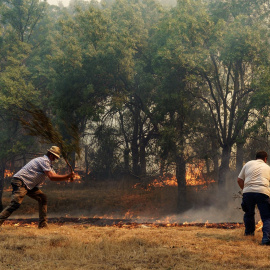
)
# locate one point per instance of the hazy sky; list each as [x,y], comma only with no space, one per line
[55,2]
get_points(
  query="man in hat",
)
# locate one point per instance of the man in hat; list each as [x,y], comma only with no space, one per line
[254,181]
[27,180]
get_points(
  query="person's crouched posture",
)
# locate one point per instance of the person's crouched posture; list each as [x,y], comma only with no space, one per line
[27,180]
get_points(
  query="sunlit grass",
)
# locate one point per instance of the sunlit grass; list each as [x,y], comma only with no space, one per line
[72,246]
[90,247]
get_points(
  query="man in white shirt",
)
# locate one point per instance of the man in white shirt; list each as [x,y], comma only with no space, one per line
[254,181]
[27,180]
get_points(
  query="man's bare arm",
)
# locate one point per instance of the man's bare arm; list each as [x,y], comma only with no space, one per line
[57,177]
[240,182]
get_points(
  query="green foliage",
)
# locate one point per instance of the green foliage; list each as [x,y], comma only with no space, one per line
[160,75]
[19,41]
[79,81]
[22,16]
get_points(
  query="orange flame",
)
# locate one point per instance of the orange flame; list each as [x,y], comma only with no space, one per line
[194,177]
[158,183]
[77,177]
[259,226]
[164,182]
[8,173]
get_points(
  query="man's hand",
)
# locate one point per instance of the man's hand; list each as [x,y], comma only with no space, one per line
[72,176]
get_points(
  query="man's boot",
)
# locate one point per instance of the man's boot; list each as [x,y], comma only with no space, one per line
[43,216]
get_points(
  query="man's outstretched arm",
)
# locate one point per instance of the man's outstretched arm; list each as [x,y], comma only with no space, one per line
[57,177]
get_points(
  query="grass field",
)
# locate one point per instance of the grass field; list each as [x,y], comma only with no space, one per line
[91,247]
[84,246]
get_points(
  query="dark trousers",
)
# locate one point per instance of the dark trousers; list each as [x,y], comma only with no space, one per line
[19,190]
[250,200]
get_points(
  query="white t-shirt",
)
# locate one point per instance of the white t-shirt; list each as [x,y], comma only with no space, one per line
[256,176]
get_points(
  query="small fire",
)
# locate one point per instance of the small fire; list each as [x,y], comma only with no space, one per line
[195,177]
[168,220]
[77,177]
[128,215]
[259,226]
[158,183]
[8,173]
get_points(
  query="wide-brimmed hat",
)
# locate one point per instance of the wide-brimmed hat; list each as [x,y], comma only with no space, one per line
[55,150]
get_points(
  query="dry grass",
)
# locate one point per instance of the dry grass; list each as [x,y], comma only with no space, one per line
[147,247]
[90,247]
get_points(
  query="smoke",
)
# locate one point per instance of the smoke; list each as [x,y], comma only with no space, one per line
[213,205]
[221,211]
[212,214]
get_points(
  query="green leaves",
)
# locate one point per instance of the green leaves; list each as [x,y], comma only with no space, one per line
[162,71]
[22,15]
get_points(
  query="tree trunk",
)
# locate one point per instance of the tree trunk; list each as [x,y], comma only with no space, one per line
[207,164]
[239,157]
[72,160]
[12,164]
[86,160]
[127,150]
[224,167]
[215,156]
[181,181]
[126,159]
[135,158]
[2,173]
[142,159]
[24,159]
[216,168]
[134,146]
[161,167]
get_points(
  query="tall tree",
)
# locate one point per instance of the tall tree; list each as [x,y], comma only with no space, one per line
[18,20]
[79,81]
[134,23]
[223,57]
[23,16]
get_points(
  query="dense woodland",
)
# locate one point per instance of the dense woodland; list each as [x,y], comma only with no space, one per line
[152,86]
